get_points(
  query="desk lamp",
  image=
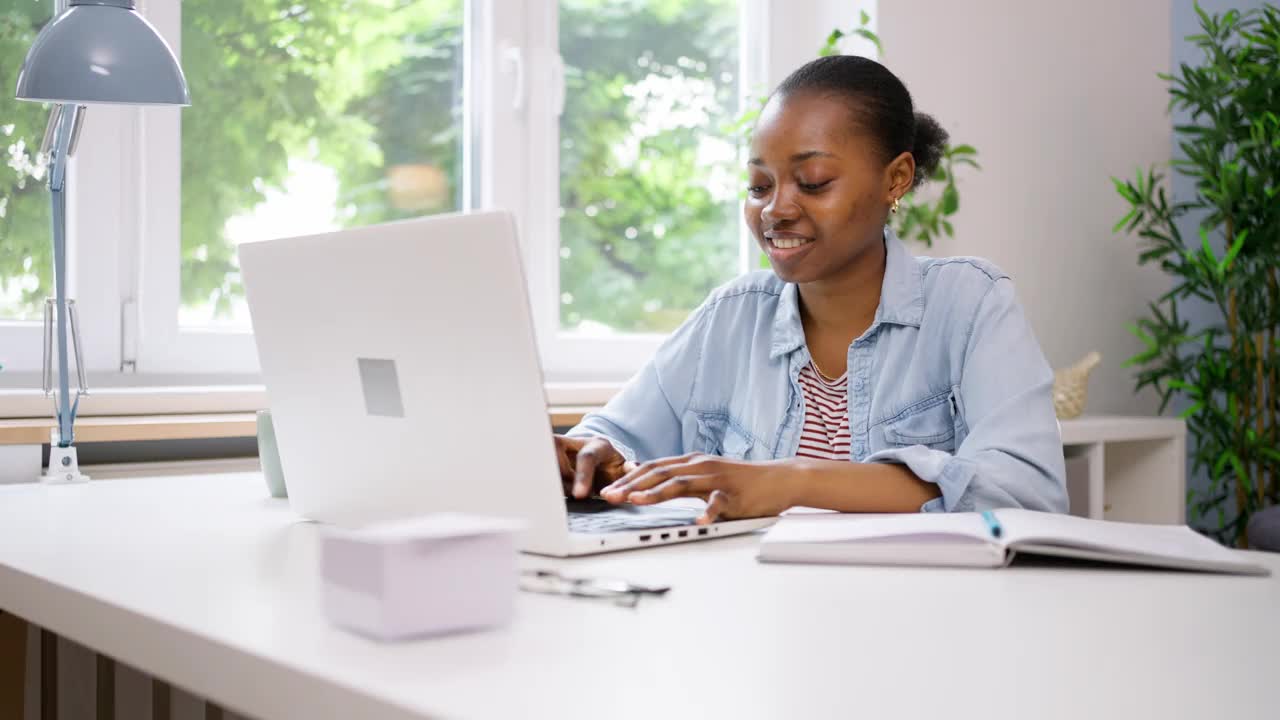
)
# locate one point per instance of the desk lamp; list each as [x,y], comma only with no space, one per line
[93,52]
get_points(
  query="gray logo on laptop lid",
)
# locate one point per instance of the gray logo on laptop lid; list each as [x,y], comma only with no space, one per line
[381,387]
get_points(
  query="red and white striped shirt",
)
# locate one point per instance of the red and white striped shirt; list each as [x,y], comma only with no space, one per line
[825,435]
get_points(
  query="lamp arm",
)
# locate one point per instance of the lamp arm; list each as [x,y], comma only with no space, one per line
[64,129]
[50,130]
[68,118]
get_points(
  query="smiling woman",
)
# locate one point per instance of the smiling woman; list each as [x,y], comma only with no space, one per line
[846,192]
[920,375]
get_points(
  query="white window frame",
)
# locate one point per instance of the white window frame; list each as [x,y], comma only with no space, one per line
[127,228]
[97,210]
[774,39]
[566,355]
[162,345]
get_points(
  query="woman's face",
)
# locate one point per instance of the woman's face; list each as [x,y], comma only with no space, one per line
[818,189]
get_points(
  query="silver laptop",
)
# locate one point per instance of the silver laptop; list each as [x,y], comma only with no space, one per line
[403,378]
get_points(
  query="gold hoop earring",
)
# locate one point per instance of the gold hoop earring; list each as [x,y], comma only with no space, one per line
[894,208]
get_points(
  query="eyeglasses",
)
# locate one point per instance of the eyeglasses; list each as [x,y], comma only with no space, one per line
[551,582]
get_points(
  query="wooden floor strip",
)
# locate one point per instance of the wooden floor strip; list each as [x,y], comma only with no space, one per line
[48,675]
[13,665]
[106,684]
[161,700]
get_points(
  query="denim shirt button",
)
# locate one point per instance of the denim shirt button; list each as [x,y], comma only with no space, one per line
[859,383]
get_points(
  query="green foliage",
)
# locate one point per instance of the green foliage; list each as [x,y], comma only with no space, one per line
[351,84]
[366,86]
[924,219]
[1228,372]
[832,44]
[356,85]
[918,218]
[649,160]
[648,181]
[26,234]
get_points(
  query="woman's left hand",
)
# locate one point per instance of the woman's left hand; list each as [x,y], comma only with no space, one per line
[733,489]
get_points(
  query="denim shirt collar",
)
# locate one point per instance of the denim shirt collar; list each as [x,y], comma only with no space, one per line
[901,299]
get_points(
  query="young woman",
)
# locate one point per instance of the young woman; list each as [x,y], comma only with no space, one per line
[854,376]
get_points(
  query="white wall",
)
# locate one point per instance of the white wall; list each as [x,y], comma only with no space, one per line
[796,29]
[1057,97]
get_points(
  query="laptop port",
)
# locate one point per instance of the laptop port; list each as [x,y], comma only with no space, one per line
[702,531]
[645,538]
[683,533]
[665,536]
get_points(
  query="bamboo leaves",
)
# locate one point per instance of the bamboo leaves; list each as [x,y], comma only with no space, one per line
[1225,374]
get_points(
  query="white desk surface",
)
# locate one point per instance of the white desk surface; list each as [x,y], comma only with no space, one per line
[205,582]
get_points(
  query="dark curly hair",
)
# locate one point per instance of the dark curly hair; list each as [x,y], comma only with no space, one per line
[880,103]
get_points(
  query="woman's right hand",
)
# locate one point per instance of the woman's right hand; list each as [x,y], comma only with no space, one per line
[588,464]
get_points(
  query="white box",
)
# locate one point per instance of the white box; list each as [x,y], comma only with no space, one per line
[436,574]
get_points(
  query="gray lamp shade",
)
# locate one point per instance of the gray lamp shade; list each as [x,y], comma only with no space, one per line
[102,51]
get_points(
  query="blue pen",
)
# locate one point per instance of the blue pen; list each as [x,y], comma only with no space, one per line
[992,523]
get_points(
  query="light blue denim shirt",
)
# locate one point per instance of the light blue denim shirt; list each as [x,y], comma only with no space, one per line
[948,380]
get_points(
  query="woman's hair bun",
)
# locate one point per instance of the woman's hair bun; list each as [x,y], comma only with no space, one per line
[929,145]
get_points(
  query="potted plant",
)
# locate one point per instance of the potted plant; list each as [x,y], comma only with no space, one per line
[1227,370]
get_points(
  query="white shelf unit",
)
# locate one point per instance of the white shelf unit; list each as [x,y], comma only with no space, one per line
[1132,469]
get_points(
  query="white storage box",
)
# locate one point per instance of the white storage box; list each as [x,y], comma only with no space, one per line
[436,574]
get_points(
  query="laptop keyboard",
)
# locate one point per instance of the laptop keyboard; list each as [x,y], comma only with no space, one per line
[597,516]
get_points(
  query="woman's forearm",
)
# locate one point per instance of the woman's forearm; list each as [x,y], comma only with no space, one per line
[859,487]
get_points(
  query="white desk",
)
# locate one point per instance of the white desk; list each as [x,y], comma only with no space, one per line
[206,583]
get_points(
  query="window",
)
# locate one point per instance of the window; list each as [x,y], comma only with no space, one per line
[26,272]
[648,161]
[634,211]
[338,114]
[26,246]
[307,117]
[604,125]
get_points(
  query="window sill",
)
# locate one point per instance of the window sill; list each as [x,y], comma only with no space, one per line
[565,397]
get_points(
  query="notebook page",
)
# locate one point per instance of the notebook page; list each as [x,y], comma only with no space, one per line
[840,527]
[1173,541]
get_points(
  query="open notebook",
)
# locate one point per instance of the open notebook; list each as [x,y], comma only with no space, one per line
[991,539]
